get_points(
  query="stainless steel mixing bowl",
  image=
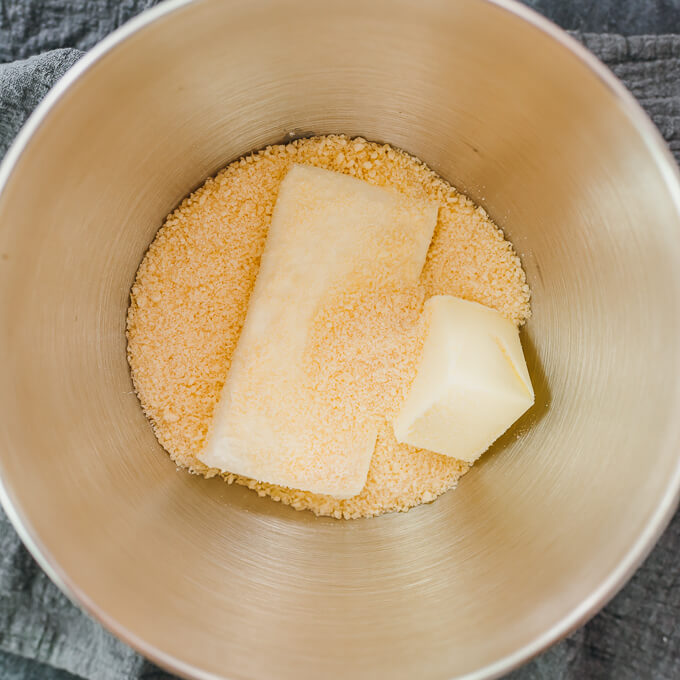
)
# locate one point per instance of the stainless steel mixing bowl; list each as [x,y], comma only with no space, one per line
[214,582]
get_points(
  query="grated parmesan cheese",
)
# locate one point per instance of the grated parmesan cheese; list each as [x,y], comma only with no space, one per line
[191,293]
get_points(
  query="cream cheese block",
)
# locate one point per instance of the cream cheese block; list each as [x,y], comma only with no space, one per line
[330,234]
[471,384]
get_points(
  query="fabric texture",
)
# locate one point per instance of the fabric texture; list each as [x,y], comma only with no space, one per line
[43,636]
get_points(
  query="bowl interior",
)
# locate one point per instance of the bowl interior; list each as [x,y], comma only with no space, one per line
[220,583]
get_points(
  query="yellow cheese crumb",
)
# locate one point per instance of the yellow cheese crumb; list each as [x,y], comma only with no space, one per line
[190,297]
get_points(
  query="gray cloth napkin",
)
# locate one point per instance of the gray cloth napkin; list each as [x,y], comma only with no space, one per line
[44,636]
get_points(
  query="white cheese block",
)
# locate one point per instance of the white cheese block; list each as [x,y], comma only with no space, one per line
[330,234]
[471,384]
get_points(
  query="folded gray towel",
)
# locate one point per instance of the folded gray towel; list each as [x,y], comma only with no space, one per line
[637,636]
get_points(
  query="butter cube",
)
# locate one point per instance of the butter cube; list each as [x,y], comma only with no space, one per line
[471,384]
